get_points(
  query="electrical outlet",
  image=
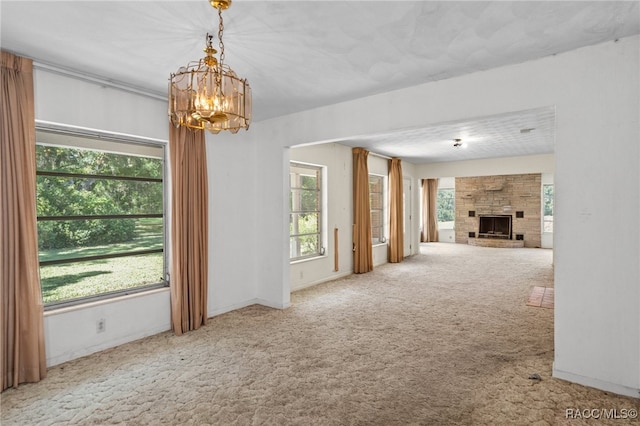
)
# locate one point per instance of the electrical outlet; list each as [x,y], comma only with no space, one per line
[101,325]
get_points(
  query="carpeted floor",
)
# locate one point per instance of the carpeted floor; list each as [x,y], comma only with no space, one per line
[443,338]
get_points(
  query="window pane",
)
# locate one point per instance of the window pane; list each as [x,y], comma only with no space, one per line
[376,233]
[309,182]
[305,206]
[548,200]
[69,160]
[95,254]
[376,204]
[547,208]
[68,239]
[303,223]
[376,218]
[376,200]
[71,196]
[445,205]
[304,245]
[375,183]
[309,200]
[90,278]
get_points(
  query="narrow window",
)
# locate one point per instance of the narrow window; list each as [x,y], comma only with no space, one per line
[547,208]
[305,211]
[100,207]
[377,206]
[445,207]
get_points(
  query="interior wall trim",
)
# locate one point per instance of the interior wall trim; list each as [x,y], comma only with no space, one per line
[96,79]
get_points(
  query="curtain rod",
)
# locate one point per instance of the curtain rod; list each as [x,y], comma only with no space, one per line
[67,129]
[97,79]
[379,155]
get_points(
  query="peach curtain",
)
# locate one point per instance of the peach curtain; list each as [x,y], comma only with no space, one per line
[429,212]
[396,212]
[22,356]
[189,229]
[362,245]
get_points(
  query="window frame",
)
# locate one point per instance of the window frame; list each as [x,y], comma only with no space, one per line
[70,137]
[320,173]
[383,210]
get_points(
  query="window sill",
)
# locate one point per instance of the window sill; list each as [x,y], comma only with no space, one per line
[307,259]
[104,301]
[380,244]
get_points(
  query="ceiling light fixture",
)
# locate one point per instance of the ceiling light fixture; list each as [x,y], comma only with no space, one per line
[457,143]
[207,94]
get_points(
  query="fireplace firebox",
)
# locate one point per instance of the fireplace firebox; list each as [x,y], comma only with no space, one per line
[495,226]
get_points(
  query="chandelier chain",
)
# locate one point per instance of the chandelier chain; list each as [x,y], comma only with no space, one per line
[220,30]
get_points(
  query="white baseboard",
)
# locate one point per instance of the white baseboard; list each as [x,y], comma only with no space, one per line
[596,383]
[273,305]
[223,310]
[322,281]
[256,301]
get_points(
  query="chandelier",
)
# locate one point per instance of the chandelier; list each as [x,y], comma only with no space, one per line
[207,94]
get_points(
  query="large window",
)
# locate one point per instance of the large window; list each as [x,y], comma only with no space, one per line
[377,203]
[305,211]
[100,206]
[547,208]
[445,207]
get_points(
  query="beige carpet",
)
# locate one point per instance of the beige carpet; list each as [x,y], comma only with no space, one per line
[443,338]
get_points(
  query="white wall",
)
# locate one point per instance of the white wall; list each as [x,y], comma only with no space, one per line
[597,167]
[71,332]
[488,167]
[595,92]
[234,207]
[70,101]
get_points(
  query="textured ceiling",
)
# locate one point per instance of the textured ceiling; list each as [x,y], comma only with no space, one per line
[507,135]
[299,55]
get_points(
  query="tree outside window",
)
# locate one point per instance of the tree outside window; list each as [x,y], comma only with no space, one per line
[547,208]
[446,208]
[100,218]
[305,211]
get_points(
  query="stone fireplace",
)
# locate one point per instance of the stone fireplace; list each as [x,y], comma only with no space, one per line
[500,210]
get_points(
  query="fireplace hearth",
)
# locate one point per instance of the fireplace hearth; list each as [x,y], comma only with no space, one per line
[495,226]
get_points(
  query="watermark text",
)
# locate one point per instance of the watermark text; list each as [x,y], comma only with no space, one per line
[601,413]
